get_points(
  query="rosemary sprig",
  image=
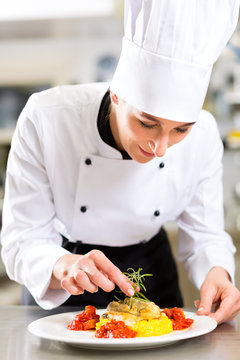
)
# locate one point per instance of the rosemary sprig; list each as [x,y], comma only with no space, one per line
[136,278]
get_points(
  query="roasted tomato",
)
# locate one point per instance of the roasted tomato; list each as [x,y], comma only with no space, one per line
[115,329]
[177,316]
[86,320]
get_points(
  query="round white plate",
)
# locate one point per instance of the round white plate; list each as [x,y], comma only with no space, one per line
[54,327]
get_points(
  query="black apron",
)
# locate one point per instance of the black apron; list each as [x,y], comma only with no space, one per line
[154,257]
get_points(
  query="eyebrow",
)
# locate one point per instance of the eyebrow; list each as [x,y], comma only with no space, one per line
[149,117]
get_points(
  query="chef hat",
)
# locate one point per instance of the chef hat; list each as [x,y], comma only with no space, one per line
[168,50]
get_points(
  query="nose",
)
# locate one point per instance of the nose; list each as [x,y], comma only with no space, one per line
[159,146]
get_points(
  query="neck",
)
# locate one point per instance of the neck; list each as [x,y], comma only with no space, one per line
[114,127]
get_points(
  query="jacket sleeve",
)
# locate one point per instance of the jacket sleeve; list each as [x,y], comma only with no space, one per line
[202,241]
[30,244]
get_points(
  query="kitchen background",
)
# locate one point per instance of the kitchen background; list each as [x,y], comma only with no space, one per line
[49,43]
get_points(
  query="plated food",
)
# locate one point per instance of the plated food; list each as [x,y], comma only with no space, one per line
[134,316]
[120,320]
[54,328]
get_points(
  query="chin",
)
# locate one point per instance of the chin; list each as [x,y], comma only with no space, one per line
[140,159]
[143,161]
[137,156]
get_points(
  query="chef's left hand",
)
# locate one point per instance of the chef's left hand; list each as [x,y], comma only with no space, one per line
[218,290]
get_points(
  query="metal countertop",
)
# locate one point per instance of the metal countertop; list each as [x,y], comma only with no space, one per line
[16,343]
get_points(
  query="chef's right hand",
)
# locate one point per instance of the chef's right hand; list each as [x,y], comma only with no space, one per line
[77,273]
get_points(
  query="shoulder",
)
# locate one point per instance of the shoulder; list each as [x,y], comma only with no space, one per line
[67,96]
[205,138]
[206,121]
[62,107]
[206,128]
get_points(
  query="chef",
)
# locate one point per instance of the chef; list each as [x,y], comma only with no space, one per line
[96,170]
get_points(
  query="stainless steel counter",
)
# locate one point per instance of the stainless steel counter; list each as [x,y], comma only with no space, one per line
[16,343]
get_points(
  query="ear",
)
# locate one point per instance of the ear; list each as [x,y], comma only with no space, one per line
[114,98]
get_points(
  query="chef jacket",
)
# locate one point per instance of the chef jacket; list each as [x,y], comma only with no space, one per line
[63,179]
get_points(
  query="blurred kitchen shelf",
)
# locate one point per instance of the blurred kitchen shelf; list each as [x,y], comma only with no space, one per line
[6,136]
[232,97]
[2,268]
[64,27]
[10,292]
[28,10]
[59,51]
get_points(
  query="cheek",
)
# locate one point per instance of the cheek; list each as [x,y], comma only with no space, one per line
[129,130]
[136,130]
[177,137]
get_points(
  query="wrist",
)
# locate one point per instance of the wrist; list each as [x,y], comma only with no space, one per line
[220,271]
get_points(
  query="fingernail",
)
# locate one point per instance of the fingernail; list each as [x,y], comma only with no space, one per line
[200,309]
[195,304]
[130,292]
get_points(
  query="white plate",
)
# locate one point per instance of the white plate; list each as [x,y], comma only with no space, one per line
[54,327]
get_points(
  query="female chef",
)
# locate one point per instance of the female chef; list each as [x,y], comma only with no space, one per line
[93,174]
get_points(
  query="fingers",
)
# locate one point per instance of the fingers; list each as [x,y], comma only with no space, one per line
[92,271]
[220,299]
[204,305]
[123,283]
[83,280]
[222,313]
[95,276]
[68,284]
[225,312]
[229,306]
[112,272]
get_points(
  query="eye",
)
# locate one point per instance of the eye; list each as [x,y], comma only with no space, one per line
[145,125]
[181,130]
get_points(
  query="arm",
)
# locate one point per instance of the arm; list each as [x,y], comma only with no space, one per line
[203,243]
[31,246]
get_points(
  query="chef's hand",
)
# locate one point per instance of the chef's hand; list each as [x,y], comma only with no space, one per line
[77,273]
[217,290]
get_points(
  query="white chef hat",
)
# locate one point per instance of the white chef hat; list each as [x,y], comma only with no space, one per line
[169,47]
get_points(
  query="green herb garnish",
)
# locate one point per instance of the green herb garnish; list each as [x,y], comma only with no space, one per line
[137,282]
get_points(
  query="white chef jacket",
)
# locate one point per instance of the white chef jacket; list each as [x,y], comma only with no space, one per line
[49,182]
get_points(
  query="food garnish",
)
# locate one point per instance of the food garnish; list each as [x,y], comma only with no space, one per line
[137,282]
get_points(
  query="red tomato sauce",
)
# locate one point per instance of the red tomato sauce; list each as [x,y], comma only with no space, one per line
[177,316]
[86,320]
[115,329]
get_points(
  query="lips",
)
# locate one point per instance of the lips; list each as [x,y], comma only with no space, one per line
[145,153]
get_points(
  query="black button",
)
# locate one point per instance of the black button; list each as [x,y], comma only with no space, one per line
[88,161]
[83,209]
[161,165]
[156,213]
